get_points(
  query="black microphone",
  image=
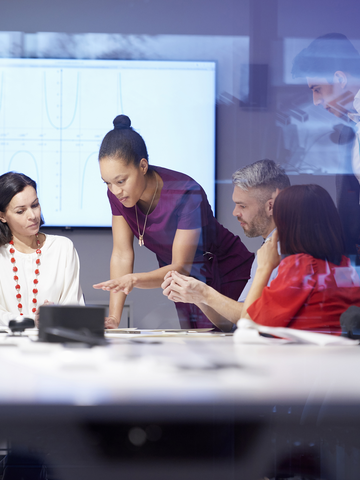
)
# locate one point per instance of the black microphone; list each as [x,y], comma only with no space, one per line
[350,323]
[18,326]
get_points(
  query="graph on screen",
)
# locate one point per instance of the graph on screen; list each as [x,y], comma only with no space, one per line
[54,114]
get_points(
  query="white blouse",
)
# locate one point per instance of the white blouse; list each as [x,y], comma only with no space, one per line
[59,278]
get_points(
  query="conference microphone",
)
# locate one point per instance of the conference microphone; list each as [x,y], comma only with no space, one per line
[350,322]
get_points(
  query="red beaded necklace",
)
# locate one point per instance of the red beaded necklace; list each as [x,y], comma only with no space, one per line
[16,278]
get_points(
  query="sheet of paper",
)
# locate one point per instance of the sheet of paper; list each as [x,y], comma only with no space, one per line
[251,332]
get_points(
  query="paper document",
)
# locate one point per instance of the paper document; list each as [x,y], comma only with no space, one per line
[251,332]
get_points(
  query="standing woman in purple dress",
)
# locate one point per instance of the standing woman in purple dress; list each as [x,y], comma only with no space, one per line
[170,214]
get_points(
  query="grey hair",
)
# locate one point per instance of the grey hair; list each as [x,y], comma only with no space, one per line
[264,174]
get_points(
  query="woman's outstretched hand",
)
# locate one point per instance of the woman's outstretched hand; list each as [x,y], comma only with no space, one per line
[122,284]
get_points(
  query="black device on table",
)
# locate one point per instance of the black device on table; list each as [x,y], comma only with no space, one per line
[72,323]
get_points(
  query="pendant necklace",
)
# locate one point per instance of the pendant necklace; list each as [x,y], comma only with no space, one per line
[16,278]
[141,236]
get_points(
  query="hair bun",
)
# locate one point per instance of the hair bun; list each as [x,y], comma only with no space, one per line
[122,122]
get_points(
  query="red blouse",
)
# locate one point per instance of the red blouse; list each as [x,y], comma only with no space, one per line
[308,294]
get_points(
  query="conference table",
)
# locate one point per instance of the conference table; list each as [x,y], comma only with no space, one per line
[182,405]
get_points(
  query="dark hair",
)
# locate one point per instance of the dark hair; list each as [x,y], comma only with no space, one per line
[264,175]
[308,222]
[11,184]
[123,142]
[326,55]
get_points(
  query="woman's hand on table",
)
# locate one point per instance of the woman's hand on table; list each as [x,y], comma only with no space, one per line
[268,256]
[181,288]
[37,313]
[111,322]
[122,284]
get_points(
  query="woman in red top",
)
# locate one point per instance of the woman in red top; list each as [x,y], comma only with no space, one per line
[315,282]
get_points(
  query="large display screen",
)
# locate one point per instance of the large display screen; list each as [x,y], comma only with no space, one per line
[54,114]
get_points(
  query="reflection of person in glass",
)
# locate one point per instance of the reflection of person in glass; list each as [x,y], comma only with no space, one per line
[331,66]
[315,282]
[35,268]
[169,213]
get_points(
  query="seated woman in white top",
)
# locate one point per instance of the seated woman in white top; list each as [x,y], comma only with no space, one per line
[35,268]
